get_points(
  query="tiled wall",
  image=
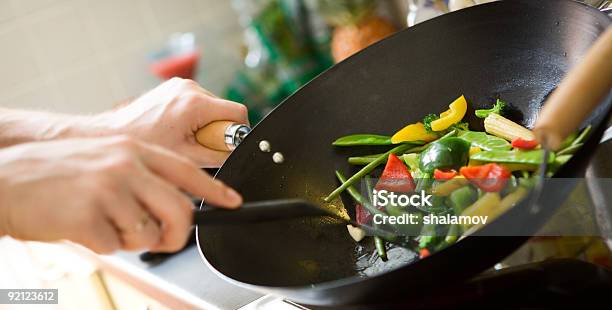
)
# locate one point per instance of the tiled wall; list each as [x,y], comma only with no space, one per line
[82,56]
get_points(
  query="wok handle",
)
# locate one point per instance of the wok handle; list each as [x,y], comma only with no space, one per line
[222,135]
[578,94]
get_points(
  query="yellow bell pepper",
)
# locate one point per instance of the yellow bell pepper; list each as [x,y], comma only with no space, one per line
[413,132]
[452,116]
[474,150]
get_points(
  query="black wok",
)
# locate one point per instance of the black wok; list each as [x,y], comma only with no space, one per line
[514,50]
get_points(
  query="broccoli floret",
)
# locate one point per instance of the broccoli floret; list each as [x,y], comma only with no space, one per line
[461,126]
[497,109]
[427,121]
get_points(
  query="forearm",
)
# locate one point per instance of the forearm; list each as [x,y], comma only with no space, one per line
[18,126]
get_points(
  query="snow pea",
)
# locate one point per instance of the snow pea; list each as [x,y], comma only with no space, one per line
[362,139]
[446,153]
[533,157]
[484,141]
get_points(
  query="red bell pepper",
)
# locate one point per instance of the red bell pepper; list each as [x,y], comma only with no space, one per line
[523,144]
[444,174]
[424,252]
[490,177]
[362,215]
[395,177]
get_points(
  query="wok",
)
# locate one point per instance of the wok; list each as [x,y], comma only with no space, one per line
[514,50]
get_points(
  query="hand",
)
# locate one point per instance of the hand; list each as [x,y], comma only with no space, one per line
[106,193]
[170,115]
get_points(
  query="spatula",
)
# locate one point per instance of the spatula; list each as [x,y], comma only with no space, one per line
[275,210]
[583,88]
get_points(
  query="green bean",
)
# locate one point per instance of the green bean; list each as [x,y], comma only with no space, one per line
[583,135]
[380,248]
[452,235]
[362,160]
[379,243]
[358,197]
[366,159]
[570,149]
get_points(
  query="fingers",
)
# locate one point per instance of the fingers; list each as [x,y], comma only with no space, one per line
[104,239]
[212,107]
[221,109]
[204,157]
[137,228]
[169,206]
[185,174]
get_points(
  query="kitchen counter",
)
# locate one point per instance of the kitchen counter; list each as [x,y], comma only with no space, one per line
[181,281]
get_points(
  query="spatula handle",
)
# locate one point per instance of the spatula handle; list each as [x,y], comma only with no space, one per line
[222,135]
[577,95]
[259,211]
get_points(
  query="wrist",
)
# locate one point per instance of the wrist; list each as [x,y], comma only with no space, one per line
[19,126]
[84,127]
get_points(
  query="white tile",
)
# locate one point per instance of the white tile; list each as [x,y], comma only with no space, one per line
[168,13]
[6,11]
[118,23]
[23,7]
[42,97]
[61,40]
[16,61]
[132,71]
[87,90]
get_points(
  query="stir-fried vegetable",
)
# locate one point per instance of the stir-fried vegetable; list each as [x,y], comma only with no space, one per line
[520,143]
[484,141]
[395,177]
[463,198]
[444,174]
[447,153]
[427,121]
[379,243]
[484,206]
[412,133]
[400,149]
[362,139]
[489,178]
[367,169]
[497,109]
[533,157]
[502,127]
[466,173]
[452,116]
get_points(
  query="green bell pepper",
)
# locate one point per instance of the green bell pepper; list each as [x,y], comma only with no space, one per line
[446,153]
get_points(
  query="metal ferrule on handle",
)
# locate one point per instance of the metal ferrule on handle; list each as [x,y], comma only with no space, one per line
[222,136]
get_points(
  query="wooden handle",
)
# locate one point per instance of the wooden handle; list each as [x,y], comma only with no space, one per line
[577,95]
[212,135]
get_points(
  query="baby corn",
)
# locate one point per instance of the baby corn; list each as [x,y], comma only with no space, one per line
[502,127]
